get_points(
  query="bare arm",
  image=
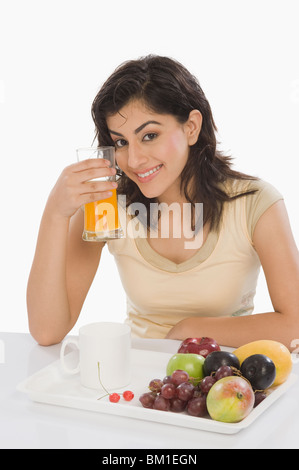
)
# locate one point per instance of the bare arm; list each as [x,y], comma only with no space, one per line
[64,265]
[275,245]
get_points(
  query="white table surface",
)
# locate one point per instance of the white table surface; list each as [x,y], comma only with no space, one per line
[27,424]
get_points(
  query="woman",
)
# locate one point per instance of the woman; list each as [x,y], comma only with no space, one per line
[157,116]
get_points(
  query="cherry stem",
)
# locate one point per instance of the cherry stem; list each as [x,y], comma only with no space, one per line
[99,375]
[103,396]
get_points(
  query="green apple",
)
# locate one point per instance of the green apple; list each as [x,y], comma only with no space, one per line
[230,399]
[191,363]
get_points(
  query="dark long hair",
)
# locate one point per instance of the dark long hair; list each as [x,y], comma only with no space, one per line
[167,87]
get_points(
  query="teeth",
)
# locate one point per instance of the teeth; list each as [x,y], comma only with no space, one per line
[143,175]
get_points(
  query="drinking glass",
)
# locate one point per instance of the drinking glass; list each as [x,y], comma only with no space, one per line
[101,221]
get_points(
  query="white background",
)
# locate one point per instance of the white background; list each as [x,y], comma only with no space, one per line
[55,54]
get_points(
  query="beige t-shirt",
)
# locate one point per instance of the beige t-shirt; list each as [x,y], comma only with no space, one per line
[218,280]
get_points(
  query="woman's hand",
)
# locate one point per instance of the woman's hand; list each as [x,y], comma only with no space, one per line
[74,188]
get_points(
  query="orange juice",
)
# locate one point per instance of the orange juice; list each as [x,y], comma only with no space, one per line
[101,219]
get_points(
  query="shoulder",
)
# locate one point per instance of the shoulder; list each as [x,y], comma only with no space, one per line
[258,194]
[258,202]
[261,188]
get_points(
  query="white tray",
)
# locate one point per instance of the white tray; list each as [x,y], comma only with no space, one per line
[52,386]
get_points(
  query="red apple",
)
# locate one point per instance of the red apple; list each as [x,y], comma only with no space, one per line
[202,346]
[230,400]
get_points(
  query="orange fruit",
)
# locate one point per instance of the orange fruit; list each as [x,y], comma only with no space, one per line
[276,351]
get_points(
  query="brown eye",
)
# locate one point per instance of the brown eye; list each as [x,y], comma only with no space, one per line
[120,143]
[150,136]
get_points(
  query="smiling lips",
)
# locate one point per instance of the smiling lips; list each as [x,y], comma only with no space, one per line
[149,174]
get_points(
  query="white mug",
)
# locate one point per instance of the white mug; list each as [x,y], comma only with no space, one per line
[104,355]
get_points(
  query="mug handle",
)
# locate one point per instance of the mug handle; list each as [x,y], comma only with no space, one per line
[62,356]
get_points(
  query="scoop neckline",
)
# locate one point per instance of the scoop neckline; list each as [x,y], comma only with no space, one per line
[161,262]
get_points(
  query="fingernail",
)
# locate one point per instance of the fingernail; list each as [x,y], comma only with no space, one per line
[107,162]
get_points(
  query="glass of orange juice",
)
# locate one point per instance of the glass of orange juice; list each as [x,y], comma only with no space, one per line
[101,221]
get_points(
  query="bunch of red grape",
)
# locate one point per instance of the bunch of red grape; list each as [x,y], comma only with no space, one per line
[178,392]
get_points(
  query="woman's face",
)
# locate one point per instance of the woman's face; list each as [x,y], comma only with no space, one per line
[152,149]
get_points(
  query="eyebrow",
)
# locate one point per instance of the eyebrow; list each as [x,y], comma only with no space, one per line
[139,129]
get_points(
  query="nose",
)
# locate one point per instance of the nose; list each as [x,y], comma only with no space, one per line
[136,157]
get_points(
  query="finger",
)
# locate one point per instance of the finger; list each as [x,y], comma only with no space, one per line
[91,174]
[89,164]
[93,197]
[97,187]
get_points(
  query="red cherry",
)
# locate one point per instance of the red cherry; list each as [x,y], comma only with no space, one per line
[128,395]
[114,397]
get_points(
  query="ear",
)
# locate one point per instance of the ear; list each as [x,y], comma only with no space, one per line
[193,126]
